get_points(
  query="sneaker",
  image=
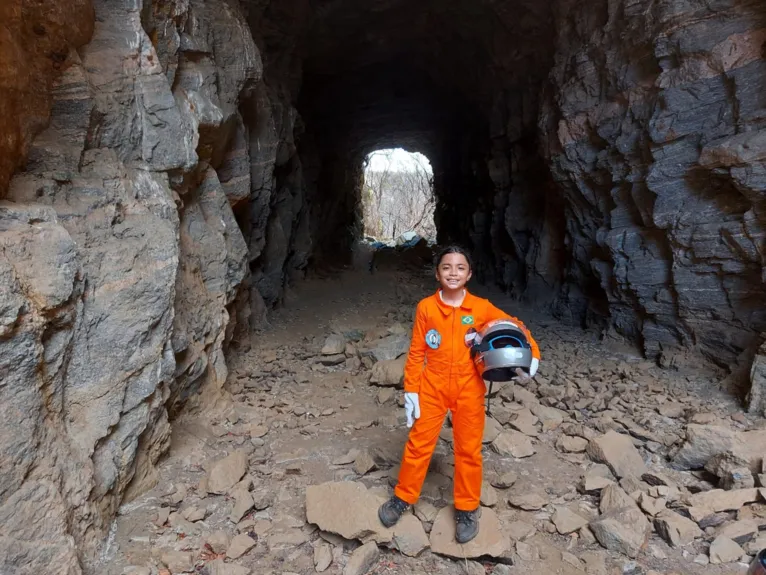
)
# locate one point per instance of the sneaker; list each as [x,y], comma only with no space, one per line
[390,512]
[467,525]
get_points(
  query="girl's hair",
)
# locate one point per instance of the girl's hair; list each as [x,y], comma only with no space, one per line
[454,249]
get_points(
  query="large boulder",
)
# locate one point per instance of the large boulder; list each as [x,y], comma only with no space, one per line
[705,441]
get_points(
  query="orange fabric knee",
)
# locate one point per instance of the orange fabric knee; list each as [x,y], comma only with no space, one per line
[420,447]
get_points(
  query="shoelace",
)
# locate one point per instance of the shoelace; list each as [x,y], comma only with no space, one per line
[465,517]
[400,505]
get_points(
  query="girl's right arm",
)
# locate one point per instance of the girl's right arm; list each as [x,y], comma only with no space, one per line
[413,369]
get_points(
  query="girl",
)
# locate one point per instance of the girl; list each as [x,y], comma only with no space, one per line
[445,323]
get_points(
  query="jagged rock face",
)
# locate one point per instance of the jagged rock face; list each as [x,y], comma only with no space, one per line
[185,160]
[121,261]
[654,135]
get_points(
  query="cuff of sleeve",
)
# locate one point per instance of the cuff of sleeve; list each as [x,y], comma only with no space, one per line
[411,388]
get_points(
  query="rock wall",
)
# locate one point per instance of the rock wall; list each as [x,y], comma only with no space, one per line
[648,219]
[35,38]
[123,265]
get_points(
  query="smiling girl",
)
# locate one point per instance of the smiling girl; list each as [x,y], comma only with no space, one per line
[439,376]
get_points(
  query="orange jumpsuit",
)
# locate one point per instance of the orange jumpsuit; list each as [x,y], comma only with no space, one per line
[448,380]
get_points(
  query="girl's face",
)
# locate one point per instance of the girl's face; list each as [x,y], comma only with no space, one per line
[453,272]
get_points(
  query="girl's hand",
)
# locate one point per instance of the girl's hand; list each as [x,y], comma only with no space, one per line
[411,408]
[523,377]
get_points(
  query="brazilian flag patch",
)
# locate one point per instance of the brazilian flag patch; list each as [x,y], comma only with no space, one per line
[467,320]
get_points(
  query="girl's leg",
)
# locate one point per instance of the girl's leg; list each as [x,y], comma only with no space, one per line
[468,428]
[420,447]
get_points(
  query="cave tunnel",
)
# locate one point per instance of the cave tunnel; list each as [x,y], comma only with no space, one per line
[169,169]
[450,82]
[551,151]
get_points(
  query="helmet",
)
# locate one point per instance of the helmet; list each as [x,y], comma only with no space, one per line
[500,349]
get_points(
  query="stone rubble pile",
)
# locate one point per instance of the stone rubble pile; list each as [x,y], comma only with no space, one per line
[659,465]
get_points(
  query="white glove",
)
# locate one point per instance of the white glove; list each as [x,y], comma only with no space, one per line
[411,407]
[533,366]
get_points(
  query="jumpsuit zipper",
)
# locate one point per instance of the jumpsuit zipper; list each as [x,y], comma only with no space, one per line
[452,349]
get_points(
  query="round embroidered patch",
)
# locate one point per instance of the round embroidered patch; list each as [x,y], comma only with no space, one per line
[433,339]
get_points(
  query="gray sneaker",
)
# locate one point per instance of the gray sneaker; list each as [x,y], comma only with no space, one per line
[467,525]
[390,512]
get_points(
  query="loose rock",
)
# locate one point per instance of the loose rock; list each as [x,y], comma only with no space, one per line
[566,521]
[362,559]
[624,530]
[618,452]
[513,443]
[334,344]
[488,495]
[240,545]
[676,529]
[409,536]
[491,430]
[741,531]
[527,551]
[243,502]
[720,500]
[218,541]
[322,557]
[528,500]
[569,444]
[346,508]
[391,347]
[425,511]
[364,463]
[613,497]
[503,480]
[706,441]
[218,567]
[226,473]
[388,372]
[178,561]
[724,550]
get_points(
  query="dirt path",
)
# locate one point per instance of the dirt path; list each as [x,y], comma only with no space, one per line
[293,418]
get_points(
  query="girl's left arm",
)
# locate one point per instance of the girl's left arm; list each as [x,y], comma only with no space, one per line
[493,313]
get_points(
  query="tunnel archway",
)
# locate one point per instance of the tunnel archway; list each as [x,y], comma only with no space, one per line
[397,196]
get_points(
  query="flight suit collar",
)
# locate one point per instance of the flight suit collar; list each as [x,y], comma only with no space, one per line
[467,305]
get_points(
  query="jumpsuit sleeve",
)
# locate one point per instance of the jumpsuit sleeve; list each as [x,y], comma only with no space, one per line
[413,369]
[494,313]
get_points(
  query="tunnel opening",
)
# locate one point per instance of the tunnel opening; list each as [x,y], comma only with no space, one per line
[398,198]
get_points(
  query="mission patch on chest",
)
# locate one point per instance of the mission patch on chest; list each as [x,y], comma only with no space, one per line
[466,320]
[433,339]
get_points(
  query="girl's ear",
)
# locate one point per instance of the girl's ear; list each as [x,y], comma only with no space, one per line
[468,277]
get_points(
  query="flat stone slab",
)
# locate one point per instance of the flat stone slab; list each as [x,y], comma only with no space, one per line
[348,509]
[490,541]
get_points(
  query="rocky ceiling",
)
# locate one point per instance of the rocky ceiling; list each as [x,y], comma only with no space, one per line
[381,72]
